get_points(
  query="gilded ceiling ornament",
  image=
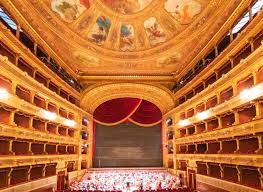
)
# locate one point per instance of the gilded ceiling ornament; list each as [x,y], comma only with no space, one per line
[86,59]
[126,6]
[84,23]
[154,31]
[169,60]
[183,11]
[127,38]
[140,42]
[100,30]
[95,96]
[70,10]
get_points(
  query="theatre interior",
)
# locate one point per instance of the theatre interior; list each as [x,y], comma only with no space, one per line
[131,95]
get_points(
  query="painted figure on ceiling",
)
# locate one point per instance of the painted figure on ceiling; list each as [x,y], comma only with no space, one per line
[127,38]
[100,30]
[127,6]
[154,31]
[70,10]
[184,11]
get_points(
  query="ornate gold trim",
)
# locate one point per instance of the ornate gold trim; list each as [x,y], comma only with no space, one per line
[92,98]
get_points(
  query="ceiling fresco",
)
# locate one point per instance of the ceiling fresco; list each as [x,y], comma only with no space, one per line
[127,6]
[182,11]
[70,10]
[126,36]
[99,32]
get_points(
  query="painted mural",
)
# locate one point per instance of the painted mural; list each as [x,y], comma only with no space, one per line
[184,11]
[100,30]
[127,6]
[154,31]
[69,10]
[127,38]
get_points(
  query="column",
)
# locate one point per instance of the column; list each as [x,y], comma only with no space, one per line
[13,88]
[207,169]
[59,89]
[28,173]
[46,104]
[90,140]
[216,73]
[260,170]
[239,174]
[203,82]
[9,177]
[35,47]
[31,123]
[221,147]
[187,132]
[254,75]
[12,118]
[258,107]
[221,170]
[217,97]
[67,130]
[32,95]
[46,131]
[17,56]
[186,149]
[250,40]
[45,150]
[10,147]
[44,170]
[231,60]
[29,148]
[206,126]
[219,122]
[195,128]
[34,73]
[206,148]
[237,143]
[236,115]
[260,145]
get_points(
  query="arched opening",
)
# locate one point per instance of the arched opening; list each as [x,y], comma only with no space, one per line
[127,133]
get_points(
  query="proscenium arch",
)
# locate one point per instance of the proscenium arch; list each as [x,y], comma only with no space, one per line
[161,97]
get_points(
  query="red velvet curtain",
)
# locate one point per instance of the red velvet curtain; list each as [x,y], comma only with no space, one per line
[138,111]
[146,114]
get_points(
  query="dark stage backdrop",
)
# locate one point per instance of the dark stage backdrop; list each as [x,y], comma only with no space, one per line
[128,145]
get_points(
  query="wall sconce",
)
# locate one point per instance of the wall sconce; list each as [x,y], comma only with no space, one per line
[203,115]
[49,115]
[3,93]
[184,122]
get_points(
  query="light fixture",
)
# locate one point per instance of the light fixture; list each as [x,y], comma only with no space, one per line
[203,115]
[69,123]
[184,122]
[250,94]
[49,115]
[3,93]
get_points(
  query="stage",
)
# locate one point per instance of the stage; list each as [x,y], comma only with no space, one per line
[129,180]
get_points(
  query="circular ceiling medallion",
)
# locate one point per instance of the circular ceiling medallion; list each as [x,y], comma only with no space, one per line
[127,6]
